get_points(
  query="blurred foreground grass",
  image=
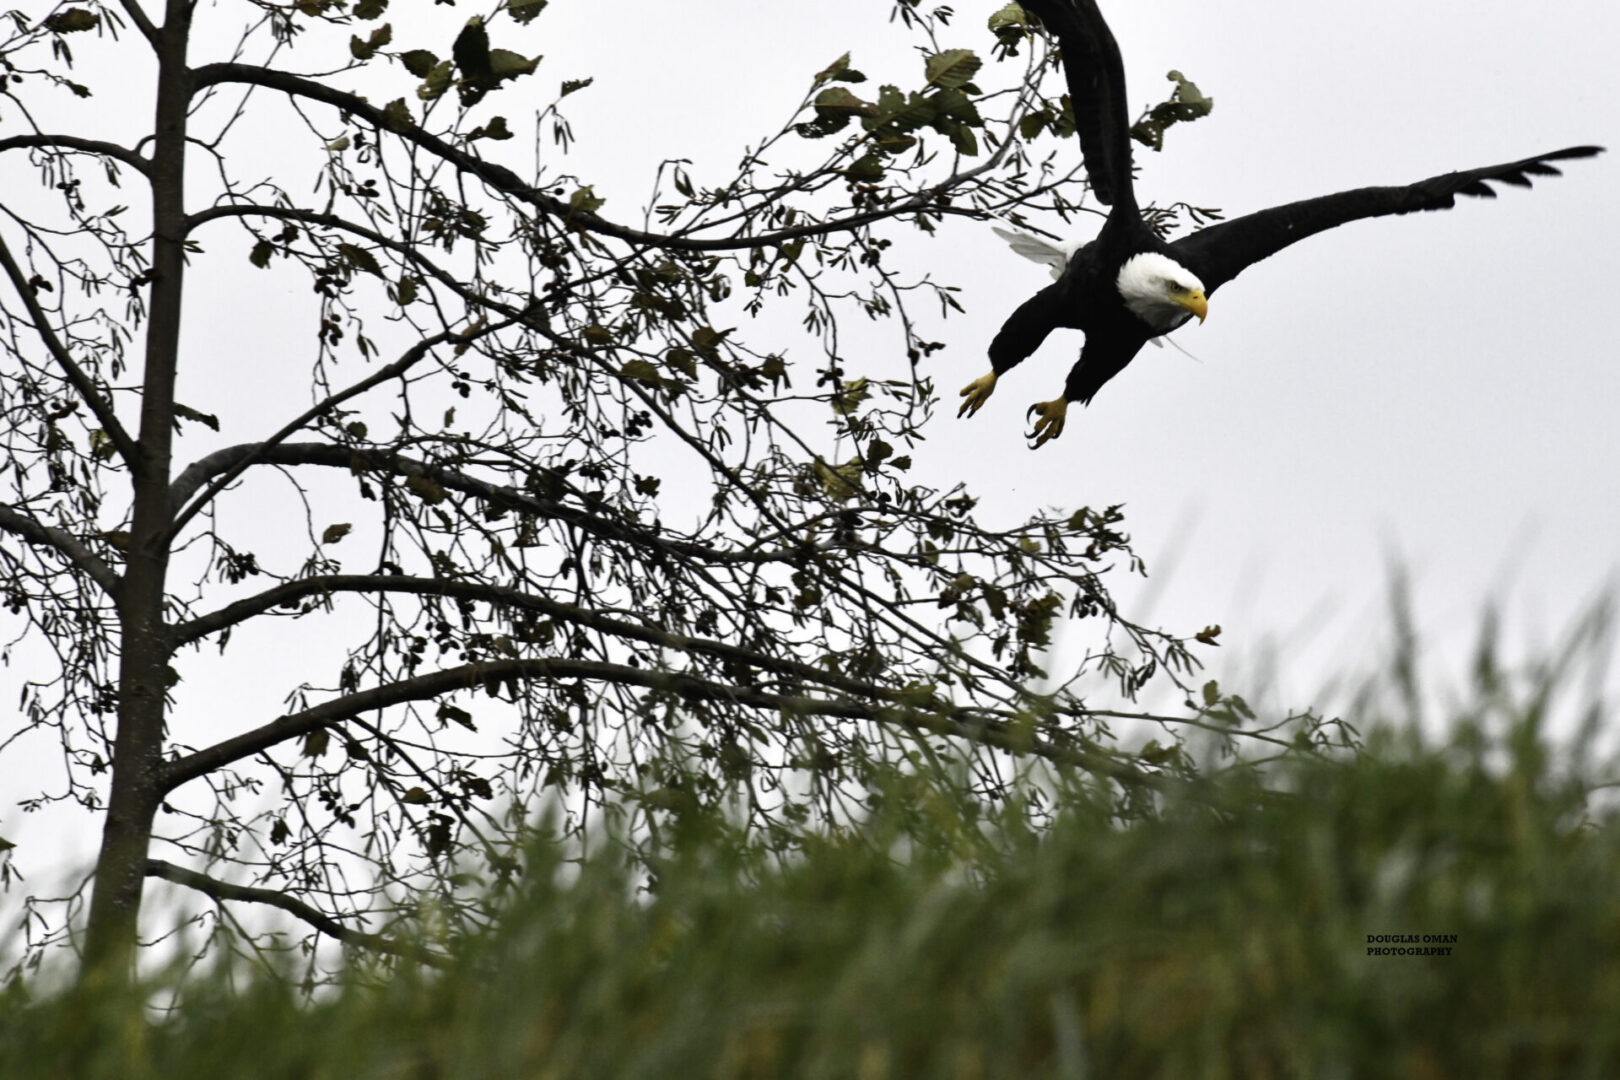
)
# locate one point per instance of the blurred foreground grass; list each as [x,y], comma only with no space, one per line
[1226,937]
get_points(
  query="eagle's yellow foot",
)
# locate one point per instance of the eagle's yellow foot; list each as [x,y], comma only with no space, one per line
[977,393]
[1049,423]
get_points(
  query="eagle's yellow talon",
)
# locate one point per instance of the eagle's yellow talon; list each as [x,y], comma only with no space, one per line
[977,393]
[1049,423]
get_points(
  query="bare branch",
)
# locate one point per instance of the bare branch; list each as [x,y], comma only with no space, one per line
[88,146]
[344,457]
[403,249]
[993,732]
[142,22]
[224,890]
[81,381]
[292,591]
[411,357]
[63,544]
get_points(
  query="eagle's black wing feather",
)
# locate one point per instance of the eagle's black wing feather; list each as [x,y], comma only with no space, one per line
[1028,326]
[1221,252]
[1100,360]
[1096,76]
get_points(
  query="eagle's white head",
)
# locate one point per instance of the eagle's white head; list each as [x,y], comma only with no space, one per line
[1160,291]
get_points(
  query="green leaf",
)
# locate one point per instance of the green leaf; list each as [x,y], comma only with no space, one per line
[775,369]
[316,742]
[571,85]
[416,797]
[523,11]
[1187,103]
[496,129]
[835,107]
[642,371]
[260,255]
[850,396]
[1154,754]
[370,9]
[668,798]
[6,845]
[454,715]
[957,106]
[186,412]
[1212,693]
[430,491]
[682,361]
[584,201]
[838,101]
[438,835]
[897,114]
[333,533]
[1011,15]
[406,290]
[506,64]
[842,481]
[418,62]
[471,50]
[437,82]
[1011,27]
[838,71]
[832,70]
[1035,628]
[396,115]
[365,50]
[72,21]
[953,68]
[867,169]
[706,340]
[1063,124]
[360,259]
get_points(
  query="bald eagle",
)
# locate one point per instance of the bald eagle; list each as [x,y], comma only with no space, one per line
[1128,286]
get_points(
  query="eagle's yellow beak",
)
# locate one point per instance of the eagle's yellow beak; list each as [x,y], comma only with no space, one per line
[1194,302]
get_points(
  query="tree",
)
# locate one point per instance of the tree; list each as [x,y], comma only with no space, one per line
[616,560]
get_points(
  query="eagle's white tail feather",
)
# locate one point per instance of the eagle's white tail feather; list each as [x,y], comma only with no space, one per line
[1036,250]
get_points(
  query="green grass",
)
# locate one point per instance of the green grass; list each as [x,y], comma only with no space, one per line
[1225,938]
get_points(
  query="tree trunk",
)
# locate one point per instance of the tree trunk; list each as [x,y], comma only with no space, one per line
[145,647]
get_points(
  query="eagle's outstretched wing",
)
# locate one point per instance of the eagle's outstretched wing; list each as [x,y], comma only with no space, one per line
[1222,252]
[1096,76]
